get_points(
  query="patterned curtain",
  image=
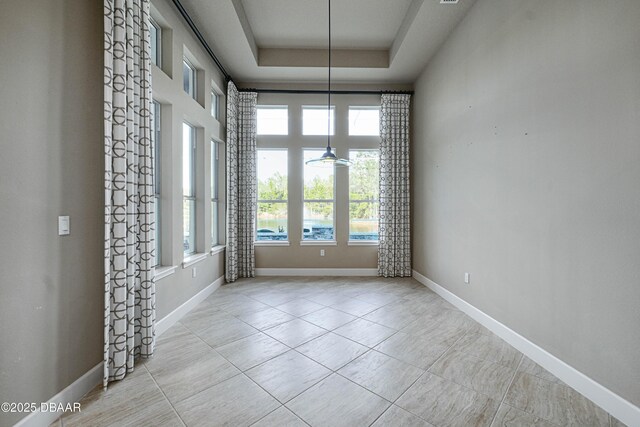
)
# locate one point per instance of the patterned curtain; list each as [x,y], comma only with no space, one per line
[129,314]
[242,187]
[394,251]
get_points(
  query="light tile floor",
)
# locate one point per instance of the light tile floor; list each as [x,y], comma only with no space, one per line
[334,352]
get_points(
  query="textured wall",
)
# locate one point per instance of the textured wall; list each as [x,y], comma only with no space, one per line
[527,175]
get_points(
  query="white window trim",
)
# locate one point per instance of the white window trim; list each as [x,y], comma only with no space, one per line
[363,243]
[164,271]
[193,259]
[217,249]
[318,243]
[271,243]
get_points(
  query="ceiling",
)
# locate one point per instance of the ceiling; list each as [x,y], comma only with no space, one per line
[278,41]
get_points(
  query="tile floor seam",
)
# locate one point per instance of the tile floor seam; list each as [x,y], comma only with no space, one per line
[164,395]
[360,385]
[504,396]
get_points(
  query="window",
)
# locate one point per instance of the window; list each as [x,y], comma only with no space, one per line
[318,217]
[155,149]
[188,188]
[364,121]
[215,104]
[272,120]
[156,43]
[189,78]
[214,193]
[363,194]
[315,120]
[272,195]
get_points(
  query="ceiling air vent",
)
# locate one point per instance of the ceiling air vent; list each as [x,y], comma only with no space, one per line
[448,1]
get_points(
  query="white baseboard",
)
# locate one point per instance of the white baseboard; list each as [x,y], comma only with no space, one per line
[316,271]
[617,406]
[71,394]
[84,384]
[172,318]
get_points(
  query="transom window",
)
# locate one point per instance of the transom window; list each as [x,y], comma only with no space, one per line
[316,120]
[363,194]
[364,121]
[272,120]
[156,43]
[189,78]
[318,206]
[271,221]
[215,104]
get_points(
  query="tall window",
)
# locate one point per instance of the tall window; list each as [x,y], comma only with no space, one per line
[272,120]
[363,194]
[272,195]
[315,120]
[156,43]
[364,121]
[215,104]
[189,78]
[155,148]
[318,209]
[214,193]
[188,188]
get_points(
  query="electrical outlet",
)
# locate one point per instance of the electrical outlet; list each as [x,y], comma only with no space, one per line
[321,252]
[467,278]
[193,272]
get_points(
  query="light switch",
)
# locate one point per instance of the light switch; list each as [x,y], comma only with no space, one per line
[63,225]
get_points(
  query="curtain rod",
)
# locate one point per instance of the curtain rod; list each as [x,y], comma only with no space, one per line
[201,39]
[324,92]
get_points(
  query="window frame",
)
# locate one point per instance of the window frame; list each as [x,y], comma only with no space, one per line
[350,201]
[214,192]
[193,196]
[215,104]
[285,202]
[362,107]
[303,240]
[272,107]
[333,112]
[193,74]
[156,29]
[156,143]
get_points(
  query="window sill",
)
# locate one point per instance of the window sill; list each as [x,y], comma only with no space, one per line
[217,249]
[271,243]
[164,271]
[363,243]
[318,243]
[192,259]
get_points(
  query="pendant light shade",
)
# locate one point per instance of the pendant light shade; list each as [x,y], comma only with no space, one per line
[328,159]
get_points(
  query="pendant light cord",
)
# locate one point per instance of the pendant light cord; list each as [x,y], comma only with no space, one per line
[329,87]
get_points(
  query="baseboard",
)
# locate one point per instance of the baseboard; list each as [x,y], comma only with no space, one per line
[316,271]
[75,391]
[172,318]
[71,394]
[617,406]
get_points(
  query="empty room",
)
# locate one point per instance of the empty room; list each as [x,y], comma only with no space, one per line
[320,213]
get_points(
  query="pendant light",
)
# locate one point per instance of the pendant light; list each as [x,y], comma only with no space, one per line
[328,158]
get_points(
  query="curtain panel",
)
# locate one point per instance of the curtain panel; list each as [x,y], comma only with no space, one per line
[394,250]
[242,187]
[129,297]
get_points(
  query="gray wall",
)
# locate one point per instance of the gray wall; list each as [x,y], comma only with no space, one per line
[51,164]
[526,160]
